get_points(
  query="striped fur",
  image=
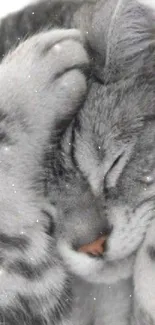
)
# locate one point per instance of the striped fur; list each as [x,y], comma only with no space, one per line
[35,285]
[102,170]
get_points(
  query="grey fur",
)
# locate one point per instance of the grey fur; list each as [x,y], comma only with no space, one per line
[117,125]
[37,93]
[107,157]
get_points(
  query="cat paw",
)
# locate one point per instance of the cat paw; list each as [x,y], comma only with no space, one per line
[55,54]
[48,70]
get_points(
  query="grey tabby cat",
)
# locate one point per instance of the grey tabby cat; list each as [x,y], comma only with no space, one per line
[103,167]
[41,87]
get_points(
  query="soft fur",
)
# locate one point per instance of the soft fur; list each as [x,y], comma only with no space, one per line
[101,173]
[37,82]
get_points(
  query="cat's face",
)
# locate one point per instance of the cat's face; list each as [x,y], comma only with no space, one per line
[118,160]
[81,212]
[114,146]
[115,153]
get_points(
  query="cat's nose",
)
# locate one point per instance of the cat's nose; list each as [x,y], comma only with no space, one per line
[98,247]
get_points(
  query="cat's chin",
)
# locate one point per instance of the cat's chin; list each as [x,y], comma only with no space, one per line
[95,269]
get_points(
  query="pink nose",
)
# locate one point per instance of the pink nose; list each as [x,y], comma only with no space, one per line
[95,248]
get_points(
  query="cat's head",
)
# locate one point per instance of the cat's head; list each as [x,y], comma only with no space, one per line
[115,157]
[113,147]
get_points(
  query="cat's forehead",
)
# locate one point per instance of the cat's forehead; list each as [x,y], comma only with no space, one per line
[125,166]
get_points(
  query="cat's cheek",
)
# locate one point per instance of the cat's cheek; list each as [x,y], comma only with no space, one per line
[94,269]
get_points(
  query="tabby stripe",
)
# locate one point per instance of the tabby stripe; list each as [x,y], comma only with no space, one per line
[149,118]
[149,199]
[3,116]
[151,252]
[28,270]
[51,228]
[13,242]
[64,305]
[72,149]
[76,127]
[4,137]
[32,310]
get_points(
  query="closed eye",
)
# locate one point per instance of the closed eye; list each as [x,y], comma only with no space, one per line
[113,174]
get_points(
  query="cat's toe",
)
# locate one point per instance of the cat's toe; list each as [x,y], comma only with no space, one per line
[65,52]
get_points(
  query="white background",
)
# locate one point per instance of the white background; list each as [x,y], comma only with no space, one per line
[8,6]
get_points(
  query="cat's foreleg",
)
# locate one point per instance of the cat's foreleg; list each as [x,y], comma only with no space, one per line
[144,281]
[42,87]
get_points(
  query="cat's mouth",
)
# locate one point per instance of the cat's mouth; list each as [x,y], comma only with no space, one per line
[95,248]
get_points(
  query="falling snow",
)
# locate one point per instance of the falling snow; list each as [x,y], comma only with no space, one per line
[6,149]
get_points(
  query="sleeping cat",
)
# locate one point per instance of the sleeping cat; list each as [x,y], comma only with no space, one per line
[106,157]
[41,87]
